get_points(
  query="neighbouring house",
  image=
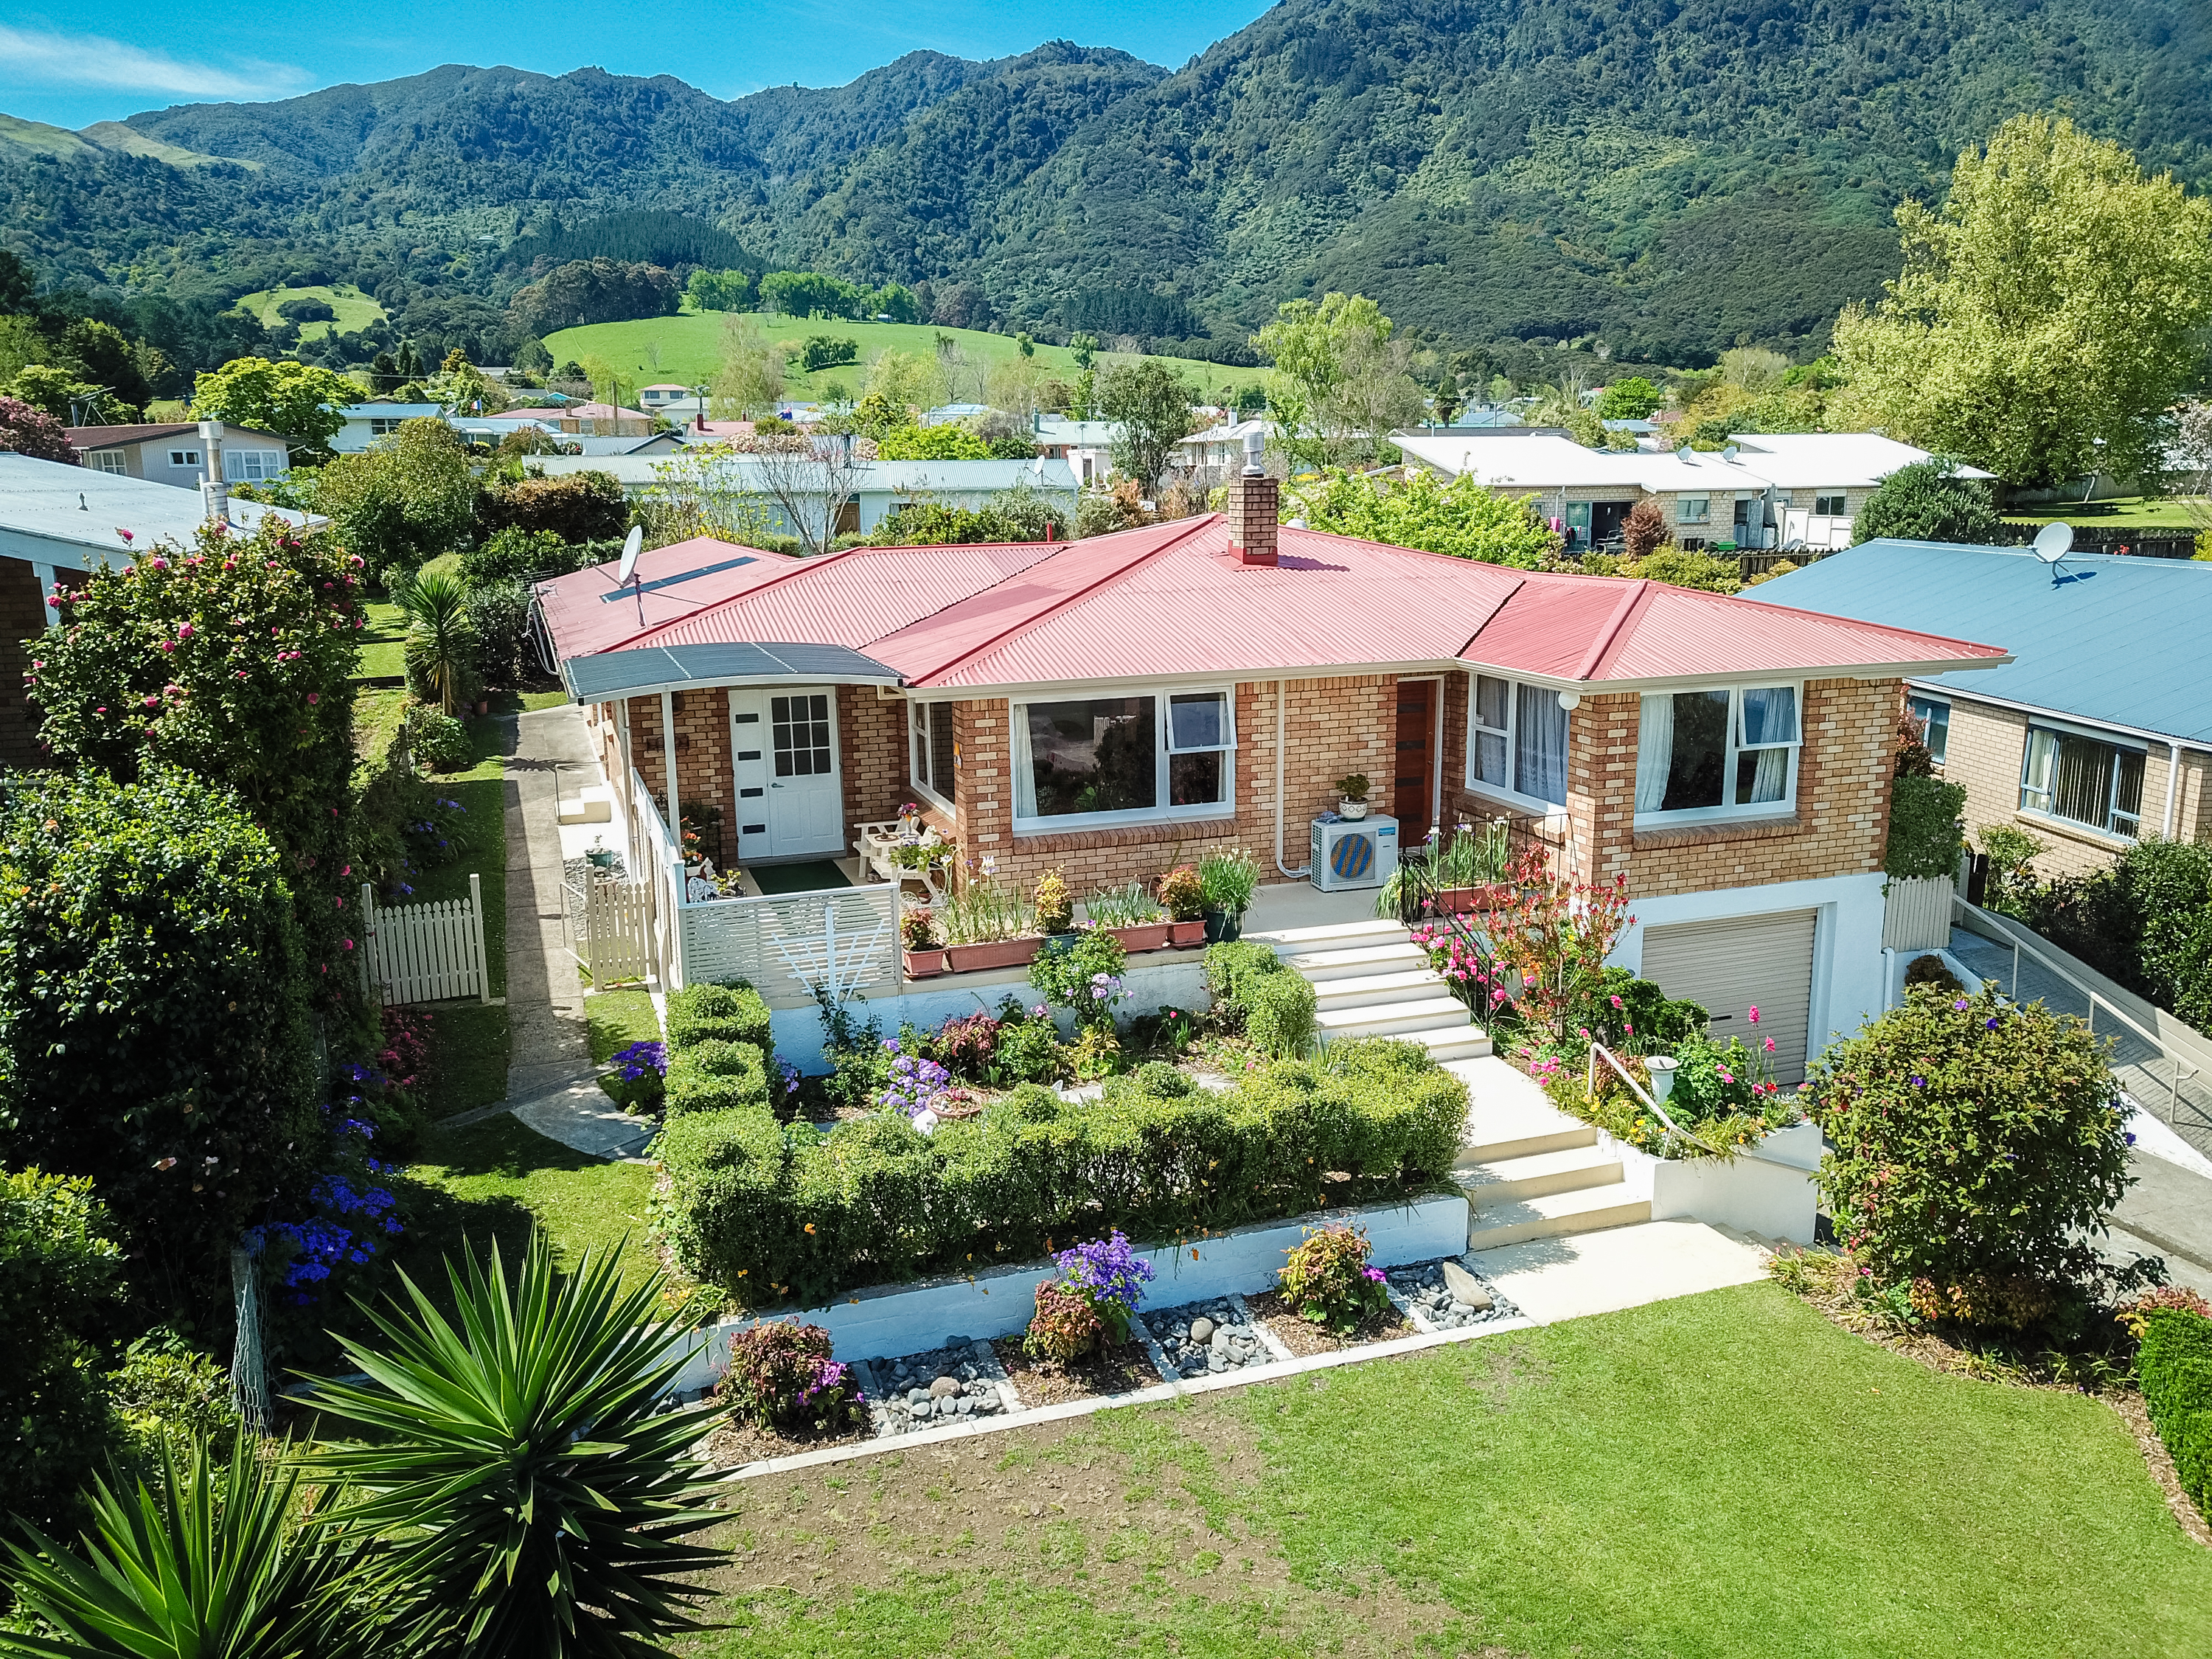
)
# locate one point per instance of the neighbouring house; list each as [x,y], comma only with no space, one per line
[1087,446]
[1111,706]
[1211,457]
[585,420]
[877,489]
[366,423]
[171,453]
[1819,480]
[664,395]
[1708,499]
[947,414]
[56,523]
[2099,732]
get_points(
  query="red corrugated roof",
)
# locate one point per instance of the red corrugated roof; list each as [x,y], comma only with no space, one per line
[1171,600]
[583,621]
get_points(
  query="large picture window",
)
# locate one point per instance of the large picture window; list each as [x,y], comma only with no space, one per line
[929,728]
[1124,759]
[1518,740]
[1729,752]
[2083,780]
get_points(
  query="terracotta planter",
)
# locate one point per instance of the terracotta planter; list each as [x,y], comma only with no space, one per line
[1147,936]
[1456,901]
[925,964]
[1182,935]
[998,953]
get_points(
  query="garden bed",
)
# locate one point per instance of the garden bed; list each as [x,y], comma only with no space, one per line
[957,1382]
[1122,1369]
[1430,1296]
[735,1444]
[1302,1336]
[1208,1338]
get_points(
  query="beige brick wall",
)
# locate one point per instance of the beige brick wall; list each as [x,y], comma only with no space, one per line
[871,754]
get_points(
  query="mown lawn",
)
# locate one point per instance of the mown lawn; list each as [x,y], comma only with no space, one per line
[382,654]
[615,1019]
[355,310]
[2126,512]
[470,1041]
[1722,1475]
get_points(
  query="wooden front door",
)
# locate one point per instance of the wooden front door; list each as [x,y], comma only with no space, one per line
[1412,781]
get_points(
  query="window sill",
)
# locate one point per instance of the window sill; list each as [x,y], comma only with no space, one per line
[1694,835]
[2088,834]
[1125,835]
[1513,806]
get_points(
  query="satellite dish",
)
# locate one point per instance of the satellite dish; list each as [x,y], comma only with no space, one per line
[633,544]
[2054,542]
[1730,451]
[1683,453]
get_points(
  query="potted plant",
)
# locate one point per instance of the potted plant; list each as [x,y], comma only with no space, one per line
[1228,881]
[1130,914]
[925,957]
[1183,896]
[988,923]
[1351,796]
[1054,904]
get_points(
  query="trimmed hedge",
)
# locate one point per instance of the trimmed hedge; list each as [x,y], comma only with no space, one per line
[1278,1014]
[715,1076]
[725,1013]
[2175,1367]
[772,1212]
[1231,969]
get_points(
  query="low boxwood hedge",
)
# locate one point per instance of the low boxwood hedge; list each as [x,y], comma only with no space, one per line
[715,1076]
[727,1013]
[773,1211]
[2175,1368]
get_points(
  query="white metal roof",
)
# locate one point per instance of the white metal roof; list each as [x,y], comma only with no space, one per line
[52,513]
[1546,463]
[874,477]
[1841,460]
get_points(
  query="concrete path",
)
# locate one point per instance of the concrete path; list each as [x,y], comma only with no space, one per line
[1552,1279]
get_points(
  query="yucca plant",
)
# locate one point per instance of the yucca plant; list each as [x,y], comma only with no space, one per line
[214,1566]
[521,1459]
[441,644]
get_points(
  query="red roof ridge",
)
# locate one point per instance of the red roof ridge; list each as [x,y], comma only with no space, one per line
[1520,581]
[1601,647]
[994,641]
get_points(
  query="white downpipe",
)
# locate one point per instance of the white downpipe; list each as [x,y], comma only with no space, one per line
[1888,979]
[2172,785]
[1281,768]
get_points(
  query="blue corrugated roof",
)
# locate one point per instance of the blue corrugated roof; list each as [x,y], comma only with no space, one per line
[2105,638]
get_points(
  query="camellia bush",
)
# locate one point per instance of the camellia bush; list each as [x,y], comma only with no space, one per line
[1977,1146]
[153,1031]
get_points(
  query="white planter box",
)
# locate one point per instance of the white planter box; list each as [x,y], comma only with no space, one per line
[890,1320]
[1767,1190]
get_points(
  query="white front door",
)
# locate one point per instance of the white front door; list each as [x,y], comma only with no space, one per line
[790,798]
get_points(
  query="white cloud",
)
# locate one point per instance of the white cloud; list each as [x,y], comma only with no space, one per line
[28,57]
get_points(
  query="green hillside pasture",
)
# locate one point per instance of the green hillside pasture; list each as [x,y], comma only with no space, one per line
[687,351]
[355,310]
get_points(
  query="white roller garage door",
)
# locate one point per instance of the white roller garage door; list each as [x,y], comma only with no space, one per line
[1734,966]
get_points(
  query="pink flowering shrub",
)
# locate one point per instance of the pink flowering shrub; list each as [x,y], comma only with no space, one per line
[1327,1279]
[782,1375]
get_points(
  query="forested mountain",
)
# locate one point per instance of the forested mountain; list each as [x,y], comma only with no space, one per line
[1666,177]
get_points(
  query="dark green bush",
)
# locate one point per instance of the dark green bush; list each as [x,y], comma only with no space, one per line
[153,1024]
[438,740]
[1230,968]
[1279,1014]
[499,615]
[711,1075]
[1926,832]
[771,1212]
[2175,1368]
[1928,970]
[729,1013]
[1633,1016]
[61,1283]
[2146,921]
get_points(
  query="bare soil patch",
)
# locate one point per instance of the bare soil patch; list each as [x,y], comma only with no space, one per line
[736,1443]
[1047,1382]
[1302,1336]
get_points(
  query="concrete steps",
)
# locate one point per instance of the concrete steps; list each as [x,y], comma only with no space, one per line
[1556,1215]
[1370,980]
[1530,1171]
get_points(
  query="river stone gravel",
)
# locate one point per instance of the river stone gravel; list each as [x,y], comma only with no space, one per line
[1423,1287]
[921,1391]
[1232,1344]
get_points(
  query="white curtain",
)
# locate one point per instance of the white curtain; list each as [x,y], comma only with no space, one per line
[1770,715]
[1769,782]
[1655,751]
[1540,744]
[1026,801]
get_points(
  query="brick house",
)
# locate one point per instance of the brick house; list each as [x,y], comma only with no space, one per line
[1111,706]
[2099,733]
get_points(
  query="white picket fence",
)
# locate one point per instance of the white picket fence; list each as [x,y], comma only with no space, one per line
[610,920]
[424,952]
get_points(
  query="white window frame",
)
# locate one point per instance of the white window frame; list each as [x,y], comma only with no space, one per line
[112,462]
[1785,806]
[1830,506]
[1535,806]
[1927,724]
[252,465]
[1693,509]
[1066,822]
[382,426]
[183,457]
[918,724]
[2112,740]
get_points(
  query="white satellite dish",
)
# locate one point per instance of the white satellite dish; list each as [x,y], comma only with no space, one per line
[633,544]
[2054,542]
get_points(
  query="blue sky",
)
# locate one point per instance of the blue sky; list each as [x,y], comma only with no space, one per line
[100,60]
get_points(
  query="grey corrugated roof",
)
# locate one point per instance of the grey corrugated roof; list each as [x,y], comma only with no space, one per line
[2120,640]
[612,674]
[73,516]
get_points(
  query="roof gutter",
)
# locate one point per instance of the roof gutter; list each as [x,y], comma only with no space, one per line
[1943,688]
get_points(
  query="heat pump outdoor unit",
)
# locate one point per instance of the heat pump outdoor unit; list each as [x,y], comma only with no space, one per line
[1352,853]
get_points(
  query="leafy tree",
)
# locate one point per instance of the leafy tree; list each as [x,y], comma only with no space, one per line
[750,382]
[1150,403]
[153,1029]
[1084,348]
[592,291]
[827,351]
[404,500]
[296,401]
[63,394]
[1339,381]
[60,1282]
[578,508]
[1928,502]
[2053,304]
[907,380]
[1629,399]
[1461,518]
[810,293]
[210,1561]
[719,290]
[896,301]
[27,430]
[533,358]
[441,644]
[944,442]
[109,360]
[519,1456]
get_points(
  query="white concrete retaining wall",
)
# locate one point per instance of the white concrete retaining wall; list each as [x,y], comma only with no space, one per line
[890,1320]
[930,1003]
[1767,1190]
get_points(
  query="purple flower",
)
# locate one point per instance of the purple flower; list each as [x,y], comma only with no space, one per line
[1959,1006]
[1920,1083]
[1990,1023]
[1374,1274]
[1107,1273]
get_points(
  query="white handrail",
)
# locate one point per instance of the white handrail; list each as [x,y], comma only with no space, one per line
[1599,1050]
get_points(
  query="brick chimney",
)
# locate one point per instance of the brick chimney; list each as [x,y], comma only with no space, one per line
[1252,507]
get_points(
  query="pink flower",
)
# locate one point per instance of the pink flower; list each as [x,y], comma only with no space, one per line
[184,630]
[1754,1016]
[349,944]
[1728,1076]
[314,698]
[1769,1045]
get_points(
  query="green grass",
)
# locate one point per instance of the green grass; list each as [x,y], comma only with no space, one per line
[471,1043]
[355,310]
[689,350]
[615,1019]
[1722,1475]
[382,654]
[2127,512]
[378,711]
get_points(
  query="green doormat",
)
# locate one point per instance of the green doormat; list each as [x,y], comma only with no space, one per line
[810,876]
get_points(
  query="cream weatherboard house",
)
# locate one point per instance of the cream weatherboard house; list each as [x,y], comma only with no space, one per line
[1111,706]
